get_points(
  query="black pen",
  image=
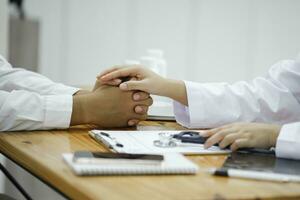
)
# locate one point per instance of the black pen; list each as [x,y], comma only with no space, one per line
[100,139]
[256,175]
[107,135]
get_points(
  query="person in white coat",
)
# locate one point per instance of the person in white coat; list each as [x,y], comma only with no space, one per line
[272,100]
[30,101]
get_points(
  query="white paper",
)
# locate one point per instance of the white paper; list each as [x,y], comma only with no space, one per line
[142,142]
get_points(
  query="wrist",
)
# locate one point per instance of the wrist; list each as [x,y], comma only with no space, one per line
[80,92]
[275,133]
[79,110]
[175,89]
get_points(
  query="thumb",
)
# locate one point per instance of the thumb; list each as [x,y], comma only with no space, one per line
[132,85]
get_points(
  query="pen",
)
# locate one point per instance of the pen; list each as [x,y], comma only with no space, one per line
[236,173]
[99,139]
[107,135]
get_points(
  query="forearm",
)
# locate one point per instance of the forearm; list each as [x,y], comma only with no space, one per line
[20,79]
[23,110]
[174,89]
[79,115]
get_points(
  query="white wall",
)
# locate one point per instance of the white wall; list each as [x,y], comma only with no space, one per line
[3,27]
[3,51]
[204,40]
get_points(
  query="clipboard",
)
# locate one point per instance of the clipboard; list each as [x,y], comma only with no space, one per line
[142,142]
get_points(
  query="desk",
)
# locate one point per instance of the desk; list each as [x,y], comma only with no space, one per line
[40,153]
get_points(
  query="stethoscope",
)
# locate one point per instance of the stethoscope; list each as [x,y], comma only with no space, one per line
[167,140]
[173,140]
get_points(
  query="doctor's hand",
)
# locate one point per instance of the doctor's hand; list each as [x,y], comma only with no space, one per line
[143,79]
[139,78]
[243,135]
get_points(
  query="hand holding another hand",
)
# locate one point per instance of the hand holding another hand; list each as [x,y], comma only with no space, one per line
[143,79]
[140,78]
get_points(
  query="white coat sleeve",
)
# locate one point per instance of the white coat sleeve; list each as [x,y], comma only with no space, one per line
[23,110]
[29,101]
[271,99]
[288,141]
[20,79]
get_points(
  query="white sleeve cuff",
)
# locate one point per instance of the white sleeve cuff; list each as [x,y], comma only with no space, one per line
[64,89]
[58,111]
[199,113]
[181,113]
[288,141]
[191,116]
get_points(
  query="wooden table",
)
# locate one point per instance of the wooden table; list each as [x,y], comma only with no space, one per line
[39,152]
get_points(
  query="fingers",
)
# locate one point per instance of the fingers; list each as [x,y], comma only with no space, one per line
[133,79]
[147,102]
[141,109]
[132,85]
[217,137]
[240,143]
[114,82]
[133,122]
[228,139]
[238,135]
[138,96]
[122,72]
[136,119]
[208,133]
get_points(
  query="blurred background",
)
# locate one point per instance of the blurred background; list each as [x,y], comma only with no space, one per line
[71,41]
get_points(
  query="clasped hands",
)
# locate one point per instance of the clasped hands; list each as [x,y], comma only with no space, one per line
[108,106]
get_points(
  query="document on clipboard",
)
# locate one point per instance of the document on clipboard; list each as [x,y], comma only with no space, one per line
[143,142]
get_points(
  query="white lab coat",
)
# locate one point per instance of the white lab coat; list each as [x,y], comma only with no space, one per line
[274,98]
[30,101]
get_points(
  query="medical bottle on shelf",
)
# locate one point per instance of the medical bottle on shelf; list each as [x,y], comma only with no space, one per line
[132,62]
[158,56]
[150,63]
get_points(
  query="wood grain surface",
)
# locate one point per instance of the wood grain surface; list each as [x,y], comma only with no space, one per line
[40,152]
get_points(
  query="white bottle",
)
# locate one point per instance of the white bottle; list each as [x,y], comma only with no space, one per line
[161,63]
[131,62]
[150,63]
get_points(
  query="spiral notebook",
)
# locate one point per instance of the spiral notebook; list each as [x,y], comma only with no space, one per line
[173,164]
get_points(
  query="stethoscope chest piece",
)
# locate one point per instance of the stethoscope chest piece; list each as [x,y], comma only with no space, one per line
[165,140]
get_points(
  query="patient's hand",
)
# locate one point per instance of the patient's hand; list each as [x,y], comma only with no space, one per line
[242,135]
[108,106]
[138,96]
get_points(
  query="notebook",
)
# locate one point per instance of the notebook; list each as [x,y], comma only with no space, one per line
[173,164]
[142,142]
